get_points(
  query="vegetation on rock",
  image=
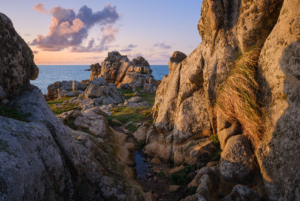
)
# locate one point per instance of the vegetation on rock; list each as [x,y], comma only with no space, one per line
[237,97]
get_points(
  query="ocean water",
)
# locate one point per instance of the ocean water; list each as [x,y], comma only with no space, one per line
[52,73]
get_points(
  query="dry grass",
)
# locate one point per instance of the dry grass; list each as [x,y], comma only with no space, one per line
[237,98]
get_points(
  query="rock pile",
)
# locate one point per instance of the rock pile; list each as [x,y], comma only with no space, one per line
[124,73]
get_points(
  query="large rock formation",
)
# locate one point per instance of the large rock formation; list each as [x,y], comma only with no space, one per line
[280,74]
[41,158]
[16,60]
[120,70]
[185,105]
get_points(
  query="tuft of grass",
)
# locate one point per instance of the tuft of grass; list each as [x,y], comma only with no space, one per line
[215,156]
[12,113]
[128,93]
[63,108]
[199,166]
[215,140]
[131,127]
[187,169]
[191,191]
[127,114]
[237,97]
[179,179]
[140,145]
[161,175]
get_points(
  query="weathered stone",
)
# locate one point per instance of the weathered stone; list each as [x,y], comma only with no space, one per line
[16,59]
[63,117]
[70,94]
[93,120]
[140,134]
[174,188]
[178,56]
[176,169]
[280,72]
[226,133]
[242,193]
[155,161]
[237,161]
[77,86]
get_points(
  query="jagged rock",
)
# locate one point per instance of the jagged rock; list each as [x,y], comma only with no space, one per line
[106,109]
[52,90]
[101,80]
[193,151]
[149,88]
[125,86]
[86,104]
[16,59]
[63,117]
[93,120]
[75,101]
[109,100]
[135,99]
[226,133]
[77,86]
[178,56]
[242,193]
[185,100]
[70,94]
[119,70]
[100,99]
[96,70]
[237,162]
[140,134]
[279,64]
[93,90]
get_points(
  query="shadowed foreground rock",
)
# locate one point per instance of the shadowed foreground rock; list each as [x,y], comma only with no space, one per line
[55,162]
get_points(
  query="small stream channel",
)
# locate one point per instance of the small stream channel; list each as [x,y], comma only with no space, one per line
[141,166]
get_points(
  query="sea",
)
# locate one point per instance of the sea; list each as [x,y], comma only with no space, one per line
[52,73]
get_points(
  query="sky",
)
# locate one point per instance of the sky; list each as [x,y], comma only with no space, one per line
[77,32]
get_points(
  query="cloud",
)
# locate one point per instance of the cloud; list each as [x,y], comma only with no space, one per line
[89,58]
[162,45]
[108,36]
[27,34]
[35,52]
[69,29]
[40,7]
[128,48]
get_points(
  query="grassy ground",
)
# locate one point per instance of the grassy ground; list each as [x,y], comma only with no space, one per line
[128,93]
[61,109]
[12,113]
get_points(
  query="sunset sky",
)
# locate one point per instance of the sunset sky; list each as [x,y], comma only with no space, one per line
[76,32]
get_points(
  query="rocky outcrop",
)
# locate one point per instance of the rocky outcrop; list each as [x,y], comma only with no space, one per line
[55,162]
[64,89]
[120,70]
[280,77]
[42,159]
[16,60]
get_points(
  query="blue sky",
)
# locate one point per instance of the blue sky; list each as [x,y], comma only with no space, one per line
[153,29]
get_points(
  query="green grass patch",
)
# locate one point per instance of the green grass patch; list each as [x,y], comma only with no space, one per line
[179,179]
[215,140]
[63,108]
[131,127]
[191,191]
[161,175]
[128,114]
[12,113]
[140,145]
[199,166]
[187,169]
[128,93]
[215,156]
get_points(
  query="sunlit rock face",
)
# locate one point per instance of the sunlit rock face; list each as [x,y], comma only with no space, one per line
[185,100]
[118,69]
[16,59]
[280,76]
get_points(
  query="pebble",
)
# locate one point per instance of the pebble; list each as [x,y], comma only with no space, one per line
[148,175]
